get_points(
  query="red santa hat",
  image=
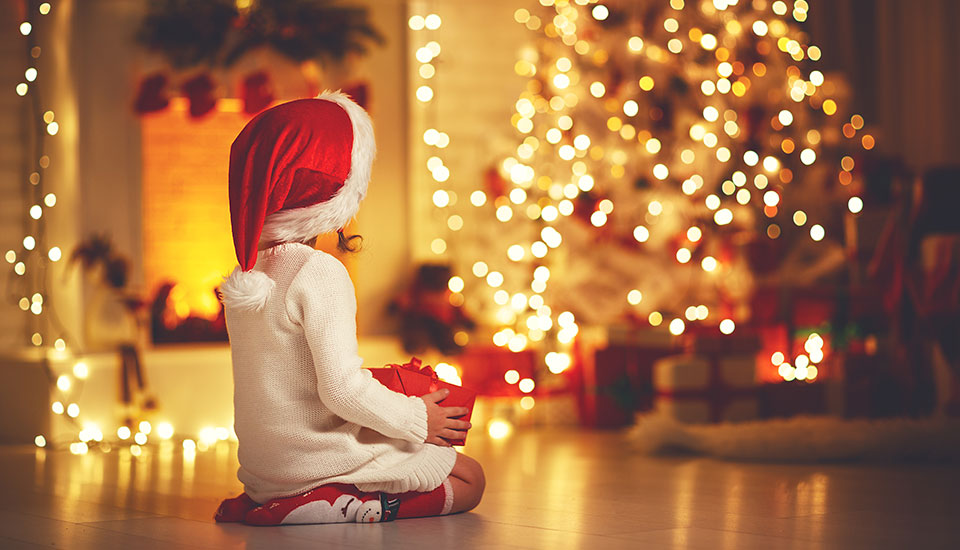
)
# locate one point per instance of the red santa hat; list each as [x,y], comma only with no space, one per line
[297,170]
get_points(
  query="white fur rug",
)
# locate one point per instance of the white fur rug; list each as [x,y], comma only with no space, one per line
[804,439]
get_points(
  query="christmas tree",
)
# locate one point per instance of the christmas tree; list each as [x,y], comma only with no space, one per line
[658,139]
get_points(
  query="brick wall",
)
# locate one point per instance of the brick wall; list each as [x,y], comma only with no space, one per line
[186,216]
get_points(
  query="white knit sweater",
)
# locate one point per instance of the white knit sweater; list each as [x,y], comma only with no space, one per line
[306,412]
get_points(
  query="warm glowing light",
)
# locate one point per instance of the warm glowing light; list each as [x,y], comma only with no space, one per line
[709,263]
[208,435]
[140,438]
[723,216]
[79,448]
[63,382]
[499,429]
[855,204]
[73,410]
[25,28]
[40,441]
[634,297]
[164,430]
[641,233]
[123,432]
[597,89]
[455,284]
[660,171]
[478,198]
[557,362]
[527,402]
[54,254]
[432,21]
[727,326]
[829,107]
[526,385]
[676,327]
[708,42]
[817,232]
[448,373]
[57,407]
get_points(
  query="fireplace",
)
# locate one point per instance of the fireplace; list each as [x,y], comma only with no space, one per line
[186,216]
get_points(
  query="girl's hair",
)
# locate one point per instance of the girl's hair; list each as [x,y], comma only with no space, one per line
[346,244]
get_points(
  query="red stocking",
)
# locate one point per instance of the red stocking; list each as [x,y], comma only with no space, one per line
[233,510]
[338,503]
[417,505]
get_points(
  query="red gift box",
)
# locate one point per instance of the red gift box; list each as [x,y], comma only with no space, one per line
[483,368]
[615,368]
[413,379]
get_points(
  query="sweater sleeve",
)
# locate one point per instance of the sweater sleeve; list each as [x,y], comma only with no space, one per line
[321,300]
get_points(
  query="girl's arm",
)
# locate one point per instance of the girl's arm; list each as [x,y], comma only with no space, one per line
[321,300]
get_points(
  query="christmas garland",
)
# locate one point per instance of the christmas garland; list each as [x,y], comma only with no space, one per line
[217,33]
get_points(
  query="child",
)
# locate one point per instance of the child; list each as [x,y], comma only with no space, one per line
[320,440]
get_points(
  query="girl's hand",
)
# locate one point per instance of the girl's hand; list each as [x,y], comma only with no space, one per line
[440,420]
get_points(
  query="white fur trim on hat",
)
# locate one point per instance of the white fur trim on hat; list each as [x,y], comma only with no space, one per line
[300,224]
[246,290]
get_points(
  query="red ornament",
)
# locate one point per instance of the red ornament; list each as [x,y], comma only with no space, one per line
[257,93]
[151,97]
[199,91]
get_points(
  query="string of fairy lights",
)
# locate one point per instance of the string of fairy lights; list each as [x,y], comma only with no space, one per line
[31,271]
[742,182]
[30,265]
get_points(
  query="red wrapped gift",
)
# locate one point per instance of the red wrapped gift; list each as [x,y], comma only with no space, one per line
[484,367]
[413,379]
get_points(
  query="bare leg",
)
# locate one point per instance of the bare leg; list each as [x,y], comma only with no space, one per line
[468,483]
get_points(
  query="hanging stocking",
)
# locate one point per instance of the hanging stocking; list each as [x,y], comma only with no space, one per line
[199,90]
[151,96]
[360,94]
[256,92]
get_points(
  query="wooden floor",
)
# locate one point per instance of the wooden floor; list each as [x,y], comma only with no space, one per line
[545,490]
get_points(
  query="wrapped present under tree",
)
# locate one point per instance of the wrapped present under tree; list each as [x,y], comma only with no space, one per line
[706,388]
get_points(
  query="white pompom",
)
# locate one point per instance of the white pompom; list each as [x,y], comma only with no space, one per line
[246,290]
